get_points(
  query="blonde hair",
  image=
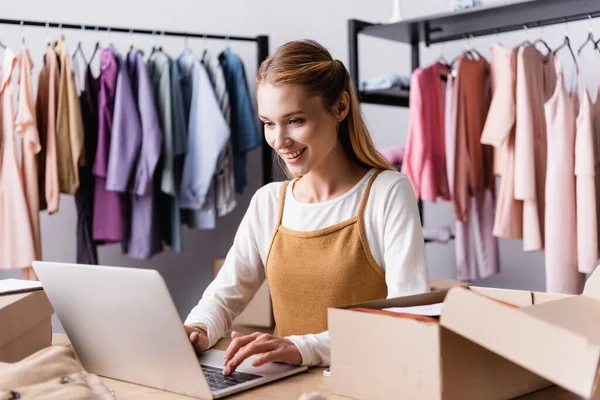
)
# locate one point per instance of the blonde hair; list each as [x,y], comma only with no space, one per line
[310,65]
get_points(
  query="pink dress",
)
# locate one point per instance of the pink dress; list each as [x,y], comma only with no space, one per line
[585,160]
[562,275]
[17,248]
[425,156]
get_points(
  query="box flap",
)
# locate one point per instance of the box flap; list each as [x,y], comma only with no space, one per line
[20,312]
[532,337]
[9,286]
[592,285]
[520,298]
[437,284]
[404,301]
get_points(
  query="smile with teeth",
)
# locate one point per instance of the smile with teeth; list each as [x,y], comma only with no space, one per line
[291,156]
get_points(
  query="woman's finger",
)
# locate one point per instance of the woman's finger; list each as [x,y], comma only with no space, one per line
[236,344]
[274,355]
[249,350]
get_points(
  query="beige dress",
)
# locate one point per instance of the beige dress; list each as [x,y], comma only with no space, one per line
[536,79]
[26,127]
[499,131]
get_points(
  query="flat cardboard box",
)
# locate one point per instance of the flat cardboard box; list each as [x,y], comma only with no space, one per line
[557,338]
[382,357]
[25,324]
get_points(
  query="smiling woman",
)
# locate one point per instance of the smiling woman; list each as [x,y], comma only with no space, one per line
[345,229]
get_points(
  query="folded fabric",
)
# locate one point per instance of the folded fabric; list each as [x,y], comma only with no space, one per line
[421,318]
[52,373]
[385,82]
[393,155]
[440,234]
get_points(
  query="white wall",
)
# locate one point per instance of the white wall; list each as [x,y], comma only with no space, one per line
[187,274]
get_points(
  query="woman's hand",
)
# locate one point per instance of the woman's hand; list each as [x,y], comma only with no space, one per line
[198,337]
[271,347]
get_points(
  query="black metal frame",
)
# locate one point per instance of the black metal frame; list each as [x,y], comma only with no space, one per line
[263,52]
[460,25]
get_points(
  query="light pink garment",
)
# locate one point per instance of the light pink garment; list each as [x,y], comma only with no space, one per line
[425,157]
[481,211]
[17,249]
[585,160]
[562,274]
[499,131]
[393,155]
[596,120]
[536,79]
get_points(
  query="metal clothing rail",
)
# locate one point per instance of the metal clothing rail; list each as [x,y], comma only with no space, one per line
[262,42]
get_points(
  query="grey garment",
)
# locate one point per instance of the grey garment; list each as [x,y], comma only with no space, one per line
[170,113]
[224,184]
[385,82]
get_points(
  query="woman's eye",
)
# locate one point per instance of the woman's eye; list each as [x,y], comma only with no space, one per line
[296,121]
[269,124]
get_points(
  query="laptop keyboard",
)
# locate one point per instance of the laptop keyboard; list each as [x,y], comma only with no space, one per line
[217,381]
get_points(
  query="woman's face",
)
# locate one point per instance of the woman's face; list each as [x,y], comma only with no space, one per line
[298,127]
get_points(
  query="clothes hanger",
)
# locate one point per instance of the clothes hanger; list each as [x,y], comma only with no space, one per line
[79,49]
[96,47]
[567,44]
[590,37]
[527,41]
[541,40]
[131,40]
[22,34]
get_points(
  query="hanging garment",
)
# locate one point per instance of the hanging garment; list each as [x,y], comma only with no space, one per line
[596,130]
[536,79]
[69,127]
[108,224]
[84,197]
[473,171]
[585,159]
[499,131]
[17,244]
[208,134]
[144,240]
[46,107]
[167,94]
[126,135]
[30,146]
[224,182]
[461,102]
[295,279]
[425,157]
[245,135]
[561,109]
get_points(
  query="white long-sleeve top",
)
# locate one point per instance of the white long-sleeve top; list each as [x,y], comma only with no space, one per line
[393,232]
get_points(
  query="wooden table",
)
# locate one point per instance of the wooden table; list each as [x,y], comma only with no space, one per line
[290,388]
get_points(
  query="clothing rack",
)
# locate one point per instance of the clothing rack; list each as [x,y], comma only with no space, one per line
[262,42]
[478,21]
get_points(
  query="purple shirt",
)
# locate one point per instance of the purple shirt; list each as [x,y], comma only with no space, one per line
[126,135]
[144,234]
[108,216]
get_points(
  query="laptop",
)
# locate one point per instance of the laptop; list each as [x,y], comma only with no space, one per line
[123,324]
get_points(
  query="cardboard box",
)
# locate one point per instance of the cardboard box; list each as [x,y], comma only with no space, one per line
[25,323]
[382,357]
[558,337]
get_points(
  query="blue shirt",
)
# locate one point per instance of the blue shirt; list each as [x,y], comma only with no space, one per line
[208,134]
[245,134]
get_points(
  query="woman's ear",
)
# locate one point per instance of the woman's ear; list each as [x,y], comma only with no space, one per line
[343,106]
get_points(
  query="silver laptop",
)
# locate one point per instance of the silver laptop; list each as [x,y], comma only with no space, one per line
[123,325]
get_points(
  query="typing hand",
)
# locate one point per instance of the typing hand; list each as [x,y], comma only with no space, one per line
[198,337]
[271,348]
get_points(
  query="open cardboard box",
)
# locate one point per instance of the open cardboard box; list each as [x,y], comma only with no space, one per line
[377,356]
[558,339]
[25,320]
